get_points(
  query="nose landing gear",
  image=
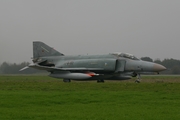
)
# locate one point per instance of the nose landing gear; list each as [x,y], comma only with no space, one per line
[138,78]
[66,80]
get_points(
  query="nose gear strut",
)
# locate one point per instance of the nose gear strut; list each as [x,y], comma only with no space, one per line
[138,78]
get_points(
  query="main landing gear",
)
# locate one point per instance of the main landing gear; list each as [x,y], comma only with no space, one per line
[138,78]
[100,81]
[67,80]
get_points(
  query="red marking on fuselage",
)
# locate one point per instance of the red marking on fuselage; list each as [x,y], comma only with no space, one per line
[91,74]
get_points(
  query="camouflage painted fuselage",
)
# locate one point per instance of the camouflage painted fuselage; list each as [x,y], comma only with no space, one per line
[114,66]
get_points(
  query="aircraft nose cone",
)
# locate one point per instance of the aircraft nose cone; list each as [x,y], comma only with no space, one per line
[158,67]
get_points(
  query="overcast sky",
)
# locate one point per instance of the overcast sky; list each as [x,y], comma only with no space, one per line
[140,27]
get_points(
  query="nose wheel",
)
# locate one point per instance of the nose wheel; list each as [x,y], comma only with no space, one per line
[66,80]
[100,81]
[138,78]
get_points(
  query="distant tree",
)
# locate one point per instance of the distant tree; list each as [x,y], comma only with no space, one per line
[176,70]
[7,68]
[172,65]
[169,63]
[157,61]
[147,59]
[4,68]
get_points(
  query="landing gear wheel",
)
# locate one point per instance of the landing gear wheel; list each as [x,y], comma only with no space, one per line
[137,81]
[100,81]
[67,80]
[134,74]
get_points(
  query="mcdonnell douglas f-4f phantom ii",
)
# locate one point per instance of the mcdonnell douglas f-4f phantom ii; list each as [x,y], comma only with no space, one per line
[114,66]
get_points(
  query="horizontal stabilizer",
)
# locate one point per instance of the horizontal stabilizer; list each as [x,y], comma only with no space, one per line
[24,68]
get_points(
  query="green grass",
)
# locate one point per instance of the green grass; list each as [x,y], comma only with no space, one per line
[44,98]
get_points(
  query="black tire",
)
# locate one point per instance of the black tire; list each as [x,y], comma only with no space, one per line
[137,81]
[100,81]
[66,80]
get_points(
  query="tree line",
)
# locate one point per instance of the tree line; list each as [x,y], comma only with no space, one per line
[172,65]
[13,68]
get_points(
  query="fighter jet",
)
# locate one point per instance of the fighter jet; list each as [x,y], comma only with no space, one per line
[113,66]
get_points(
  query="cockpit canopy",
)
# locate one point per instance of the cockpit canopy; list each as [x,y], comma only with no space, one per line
[125,55]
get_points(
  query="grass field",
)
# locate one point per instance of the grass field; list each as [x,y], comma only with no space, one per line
[45,98]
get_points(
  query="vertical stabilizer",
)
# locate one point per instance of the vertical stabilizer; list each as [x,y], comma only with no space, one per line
[40,49]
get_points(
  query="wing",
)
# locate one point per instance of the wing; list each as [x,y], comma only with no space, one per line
[50,69]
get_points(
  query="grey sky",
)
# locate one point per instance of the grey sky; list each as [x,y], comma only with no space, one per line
[141,27]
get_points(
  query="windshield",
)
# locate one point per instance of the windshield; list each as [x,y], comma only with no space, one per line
[126,55]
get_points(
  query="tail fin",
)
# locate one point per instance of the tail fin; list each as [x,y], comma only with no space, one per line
[40,49]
